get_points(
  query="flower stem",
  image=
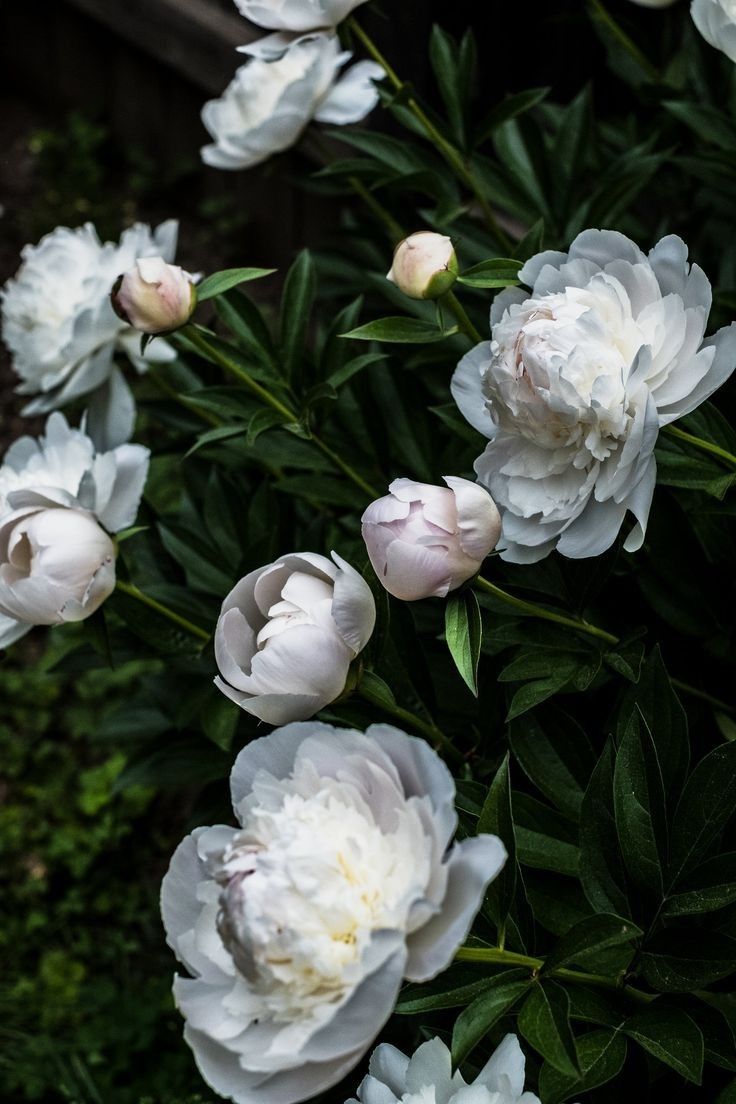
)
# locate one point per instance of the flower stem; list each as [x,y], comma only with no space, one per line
[437,738]
[511,958]
[700,443]
[604,17]
[133,592]
[453,157]
[451,301]
[548,615]
[199,340]
[703,695]
[393,228]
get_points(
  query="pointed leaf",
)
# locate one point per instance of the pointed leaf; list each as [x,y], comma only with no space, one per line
[463,632]
[544,1021]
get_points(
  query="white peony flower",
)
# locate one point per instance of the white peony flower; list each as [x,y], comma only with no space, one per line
[427,1077]
[425,541]
[269,103]
[716,21]
[654,3]
[424,265]
[580,374]
[57,498]
[298,926]
[288,632]
[297,15]
[62,332]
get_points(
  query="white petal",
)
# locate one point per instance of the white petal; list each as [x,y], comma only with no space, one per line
[467,391]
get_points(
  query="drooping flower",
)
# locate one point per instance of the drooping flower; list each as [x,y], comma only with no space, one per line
[62,332]
[425,541]
[716,21]
[269,103]
[427,1077]
[298,926]
[424,265]
[288,632]
[59,499]
[154,297]
[579,376]
[297,15]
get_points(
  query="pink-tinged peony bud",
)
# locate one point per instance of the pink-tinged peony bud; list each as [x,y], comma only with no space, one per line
[425,541]
[425,265]
[154,297]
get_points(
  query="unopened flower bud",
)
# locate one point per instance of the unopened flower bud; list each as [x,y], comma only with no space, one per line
[425,265]
[425,541]
[154,297]
[56,565]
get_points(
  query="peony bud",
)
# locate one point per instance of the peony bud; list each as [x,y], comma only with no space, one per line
[425,265]
[154,297]
[425,541]
[56,565]
[287,634]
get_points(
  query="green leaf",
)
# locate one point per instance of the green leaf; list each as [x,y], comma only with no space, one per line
[263,419]
[558,762]
[244,320]
[376,690]
[497,273]
[638,798]
[475,1021]
[454,988]
[322,488]
[510,108]
[595,933]
[544,1021]
[155,630]
[601,1055]
[601,865]
[399,330]
[677,961]
[296,306]
[671,1036]
[352,367]
[545,840]
[496,818]
[463,633]
[707,804]
[220,282]
[711,886]
[216,436]
[443,57]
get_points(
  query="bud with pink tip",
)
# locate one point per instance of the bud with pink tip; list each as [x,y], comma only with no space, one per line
[154,297]
[424,266]
[425,541]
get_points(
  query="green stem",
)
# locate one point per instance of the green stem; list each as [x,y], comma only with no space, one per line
[700,443]
[693,691]
[393,228]
[511,958]
[133,592]
[548,615]
[604,17]
[199,340]
[453,157]
[451,301]
[435,735]
[172,393]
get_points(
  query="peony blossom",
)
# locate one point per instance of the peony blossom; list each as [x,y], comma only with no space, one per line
[424,265]
[287,634]
[298,926]
[425,541]
[62,332]
[154,297]
[297,15]
[580,374]
[58,501]
[654,3]
[716,21]
[427,1077]
[269,103]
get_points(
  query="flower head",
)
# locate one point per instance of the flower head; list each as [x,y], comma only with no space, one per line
[154,297]
[288,632]
[425,541]
[427,1077]
[716,21]
[297,15]
[298,926]
[61,330]
[424,265]
[269,103]
[578,378]
[58,497]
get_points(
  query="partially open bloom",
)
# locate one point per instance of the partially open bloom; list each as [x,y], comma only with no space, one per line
[298,926]
[154,297]
[579,376]
[427,1077]
[297,15]
[425,541]
[424,265]
[59,499]
[716,21]
[62,332]
[288,632]
[268,104]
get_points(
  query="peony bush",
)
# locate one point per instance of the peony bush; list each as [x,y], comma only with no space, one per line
[423,545]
